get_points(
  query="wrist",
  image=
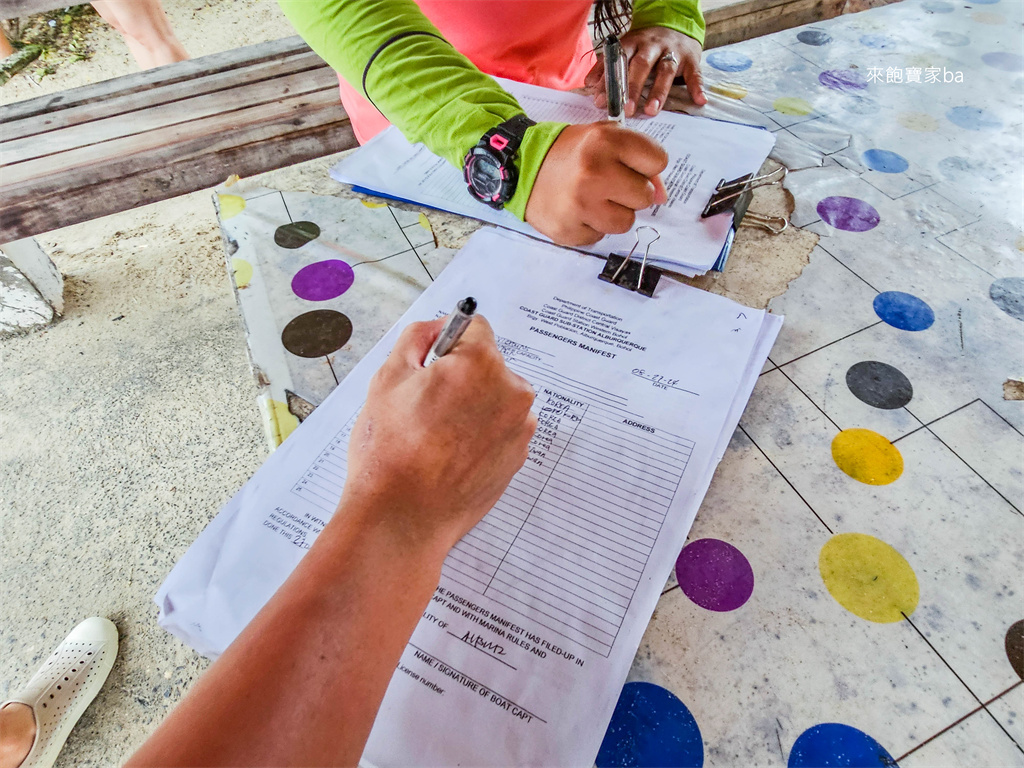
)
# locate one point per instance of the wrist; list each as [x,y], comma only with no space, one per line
[537,142]
[393,524]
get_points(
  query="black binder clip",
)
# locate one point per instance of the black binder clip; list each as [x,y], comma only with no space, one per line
[633,275]
[729,193]
[742,217]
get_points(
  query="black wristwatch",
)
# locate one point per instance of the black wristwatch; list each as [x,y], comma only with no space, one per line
[489,168]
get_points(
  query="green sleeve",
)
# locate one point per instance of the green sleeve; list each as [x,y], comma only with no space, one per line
[427,89]
[681,15]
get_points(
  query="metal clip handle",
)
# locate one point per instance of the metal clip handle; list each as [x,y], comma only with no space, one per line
[730,190]
[617,273]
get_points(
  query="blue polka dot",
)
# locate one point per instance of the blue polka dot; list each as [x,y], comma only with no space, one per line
[973,119]
[651,727]
[879,42]
[834,744]
[952,38]
[903,311]
[885,161]
[729,61]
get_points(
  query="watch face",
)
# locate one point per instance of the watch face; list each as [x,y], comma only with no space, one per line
[485,176]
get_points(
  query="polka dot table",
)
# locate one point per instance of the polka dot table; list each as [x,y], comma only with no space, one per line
[319,280]
[849,593]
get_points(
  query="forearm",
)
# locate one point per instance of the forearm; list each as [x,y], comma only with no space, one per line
[302,684]
[681,15]
[427,89]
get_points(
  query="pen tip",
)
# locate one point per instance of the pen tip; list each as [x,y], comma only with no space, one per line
[468,305]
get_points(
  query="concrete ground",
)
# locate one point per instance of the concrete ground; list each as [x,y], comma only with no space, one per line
[125,426]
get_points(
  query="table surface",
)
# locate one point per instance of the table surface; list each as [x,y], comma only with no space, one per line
[851,587]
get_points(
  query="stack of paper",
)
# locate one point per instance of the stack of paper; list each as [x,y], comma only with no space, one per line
[701,152]
[520,656]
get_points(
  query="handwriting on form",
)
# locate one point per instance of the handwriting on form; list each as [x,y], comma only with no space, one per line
[662,382]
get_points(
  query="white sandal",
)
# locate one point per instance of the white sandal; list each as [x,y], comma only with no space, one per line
[65,685]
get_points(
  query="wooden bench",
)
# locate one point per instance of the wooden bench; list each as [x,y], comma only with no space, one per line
[121,143]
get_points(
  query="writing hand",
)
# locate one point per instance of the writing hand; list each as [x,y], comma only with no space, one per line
[434,448]
[593,180]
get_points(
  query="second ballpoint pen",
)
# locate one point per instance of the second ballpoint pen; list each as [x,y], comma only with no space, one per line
[615,78]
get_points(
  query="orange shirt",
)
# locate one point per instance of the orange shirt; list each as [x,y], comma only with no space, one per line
[543,42]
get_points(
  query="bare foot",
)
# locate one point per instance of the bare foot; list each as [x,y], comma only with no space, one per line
[17,732]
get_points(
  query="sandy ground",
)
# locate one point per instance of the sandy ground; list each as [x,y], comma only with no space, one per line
[127,424]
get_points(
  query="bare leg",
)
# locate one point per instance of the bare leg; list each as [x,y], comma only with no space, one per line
[145,29]
[17,732]
[6,49]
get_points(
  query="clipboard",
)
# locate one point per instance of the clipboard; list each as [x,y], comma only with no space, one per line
[735,195]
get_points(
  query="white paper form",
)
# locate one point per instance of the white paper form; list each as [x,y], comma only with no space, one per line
[702,153]
[520,655]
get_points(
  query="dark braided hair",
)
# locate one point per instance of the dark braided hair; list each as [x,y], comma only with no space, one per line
[611,17]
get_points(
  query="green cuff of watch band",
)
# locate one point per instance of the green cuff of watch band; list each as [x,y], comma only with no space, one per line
[536,142]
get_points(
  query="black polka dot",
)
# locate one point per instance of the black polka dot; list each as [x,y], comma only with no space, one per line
[1008,295]
[879,385]
[317,333]
[814,37]
[296,234]
[1015,647]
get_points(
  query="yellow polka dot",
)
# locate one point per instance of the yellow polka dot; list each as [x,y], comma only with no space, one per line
[986,17]
[790,105]
[868,577]
[867,456]
[1020,243]
[242,272]
[230,205]
[729,90]
[282,421]
[371,204]
[917,121]
[425,223]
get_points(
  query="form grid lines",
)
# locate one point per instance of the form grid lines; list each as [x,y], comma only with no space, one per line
[577,524]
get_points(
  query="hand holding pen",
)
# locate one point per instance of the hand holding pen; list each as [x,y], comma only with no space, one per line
[456,324]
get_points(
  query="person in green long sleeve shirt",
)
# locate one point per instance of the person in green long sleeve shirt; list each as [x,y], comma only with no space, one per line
[423,65]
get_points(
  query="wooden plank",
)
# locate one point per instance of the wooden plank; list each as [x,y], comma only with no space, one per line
[715,12]
[192,69]
[60,145]
[131,101]
[165,140]
[196,143]
[754,18]
[308,132]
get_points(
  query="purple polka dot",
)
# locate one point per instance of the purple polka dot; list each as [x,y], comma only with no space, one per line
[1008,62]
[323,280]
[714,574]
[843,80]
[848,213]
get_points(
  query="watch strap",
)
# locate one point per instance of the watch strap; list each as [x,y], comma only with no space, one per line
[506,137]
